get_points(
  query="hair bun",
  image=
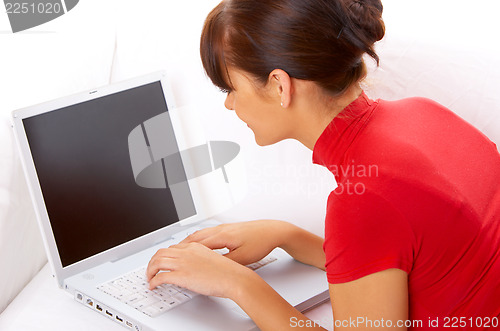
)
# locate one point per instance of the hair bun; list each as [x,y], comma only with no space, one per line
[367,16]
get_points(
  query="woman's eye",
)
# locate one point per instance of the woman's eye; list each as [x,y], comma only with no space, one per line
[226,91]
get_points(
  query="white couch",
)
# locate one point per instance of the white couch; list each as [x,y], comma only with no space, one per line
[445,50]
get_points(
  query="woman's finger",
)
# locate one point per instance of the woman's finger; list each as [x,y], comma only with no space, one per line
[201,234]
[165,252]
[159,262]
[214,238]
[166,277]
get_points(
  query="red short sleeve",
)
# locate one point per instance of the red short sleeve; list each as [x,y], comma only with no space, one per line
[365,234]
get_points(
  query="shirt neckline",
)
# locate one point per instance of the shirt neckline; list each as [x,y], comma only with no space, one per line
[329,150]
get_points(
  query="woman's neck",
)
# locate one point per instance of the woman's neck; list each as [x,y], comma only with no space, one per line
[317,113]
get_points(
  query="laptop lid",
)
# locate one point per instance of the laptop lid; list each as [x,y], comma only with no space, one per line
[79,154]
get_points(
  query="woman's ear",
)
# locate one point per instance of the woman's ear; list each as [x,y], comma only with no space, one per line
[281,85]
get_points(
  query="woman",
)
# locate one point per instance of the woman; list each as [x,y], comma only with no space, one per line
[413,243]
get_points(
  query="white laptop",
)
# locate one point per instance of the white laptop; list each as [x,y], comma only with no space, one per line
[106,200]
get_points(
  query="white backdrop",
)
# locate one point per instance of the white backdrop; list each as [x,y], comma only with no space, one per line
[445,50]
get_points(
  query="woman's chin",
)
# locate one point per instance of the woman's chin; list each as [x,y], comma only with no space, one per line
[265,142]
[261,142]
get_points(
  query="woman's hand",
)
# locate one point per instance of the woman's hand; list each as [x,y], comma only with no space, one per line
[197,268]
[193,265]
[247,242]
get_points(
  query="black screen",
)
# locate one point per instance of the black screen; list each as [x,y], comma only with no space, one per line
[81,155]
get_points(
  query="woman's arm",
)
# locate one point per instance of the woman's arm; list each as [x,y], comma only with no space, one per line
[303,245]
[377,301]
[267,308]
[199,269]
[249,242]
[382,296]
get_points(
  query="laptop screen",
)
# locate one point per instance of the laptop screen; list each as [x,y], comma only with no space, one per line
[83,162]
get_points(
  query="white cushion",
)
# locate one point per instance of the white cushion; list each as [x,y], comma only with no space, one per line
[65,56]
[445,50]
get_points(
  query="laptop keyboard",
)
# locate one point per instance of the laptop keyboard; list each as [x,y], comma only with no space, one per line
[133,289]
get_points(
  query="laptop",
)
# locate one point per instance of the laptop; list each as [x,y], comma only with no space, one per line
[113,179]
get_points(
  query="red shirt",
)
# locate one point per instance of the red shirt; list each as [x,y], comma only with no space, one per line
[418,190]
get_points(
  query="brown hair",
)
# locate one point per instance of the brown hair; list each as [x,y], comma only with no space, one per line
[316,40]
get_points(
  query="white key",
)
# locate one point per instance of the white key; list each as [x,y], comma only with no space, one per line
[188,293]
[139,276]
[259,264]
[162,295]
[158,308]
[172,303]
[123,294]
[253,266]
[145,291]
[221,251]
[144,303]
[152,311]
[168,289]
[135,287]
[161,305]
[136,297]
[110,289]
[181,297]
[120,283]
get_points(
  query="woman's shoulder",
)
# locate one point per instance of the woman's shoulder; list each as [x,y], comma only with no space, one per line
[413,108]
[422,125]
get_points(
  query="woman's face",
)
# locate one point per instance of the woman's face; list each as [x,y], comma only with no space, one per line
[259,108]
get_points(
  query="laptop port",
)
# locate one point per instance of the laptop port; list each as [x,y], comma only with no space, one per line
[118,318]
[109,313]
[128,324]
[98,307]
[79,296]
[90,302]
